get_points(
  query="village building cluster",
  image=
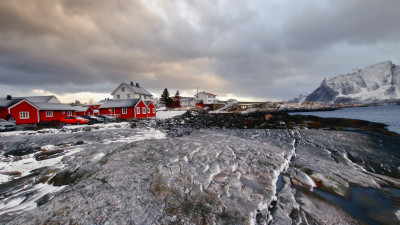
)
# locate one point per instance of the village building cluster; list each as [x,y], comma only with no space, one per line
[129,102]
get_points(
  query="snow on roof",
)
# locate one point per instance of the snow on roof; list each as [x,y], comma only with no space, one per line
[33,99]
[137,90]
[53,106]
[148,102]
[4,103]
[80,108]
[119,103]
[205,93]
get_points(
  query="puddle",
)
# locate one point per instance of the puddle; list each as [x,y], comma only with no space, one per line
[370,206]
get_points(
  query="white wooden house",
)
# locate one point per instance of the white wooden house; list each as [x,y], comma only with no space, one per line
[206,98]
[131,91]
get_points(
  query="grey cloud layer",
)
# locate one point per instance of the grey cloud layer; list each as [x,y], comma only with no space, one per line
[274,49]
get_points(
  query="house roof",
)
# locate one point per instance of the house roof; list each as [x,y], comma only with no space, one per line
[205,93]
[46,99]
[148,102]
[80,108]
[4,103]
[133,88]
[111,103]
[53,106]
[33,99]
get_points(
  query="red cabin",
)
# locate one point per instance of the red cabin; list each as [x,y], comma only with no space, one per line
[151,109]
[94,107]
[124,109]
[81,110]
[25,112]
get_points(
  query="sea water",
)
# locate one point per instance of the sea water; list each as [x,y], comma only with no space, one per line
[389,115]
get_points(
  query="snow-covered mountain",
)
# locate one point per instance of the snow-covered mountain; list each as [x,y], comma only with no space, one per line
[374,84]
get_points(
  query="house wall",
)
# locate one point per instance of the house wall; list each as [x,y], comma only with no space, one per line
[3,113]
[151,107]
[57,115]
[188,103]
[123,94]
[206,98]
[129,115]
[141,105]
[24,107]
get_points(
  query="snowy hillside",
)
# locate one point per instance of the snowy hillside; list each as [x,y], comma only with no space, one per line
[373,84]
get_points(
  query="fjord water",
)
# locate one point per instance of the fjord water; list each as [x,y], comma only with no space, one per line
[389,115]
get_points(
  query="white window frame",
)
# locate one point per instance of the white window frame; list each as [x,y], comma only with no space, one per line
[148,110]
[124,110]
[49,113]
[143,110]
[23,115]
[69,113]
[138,110]
[63,112]
[154,110]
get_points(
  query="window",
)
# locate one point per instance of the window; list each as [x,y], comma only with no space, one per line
[124,110]
[123,89]
[209,100]
[148,110]
[118,96]
[24,115]
[128,96]
[63,112]
[49,113]
[143,110]
[154,110]
[137,110]
[69,113]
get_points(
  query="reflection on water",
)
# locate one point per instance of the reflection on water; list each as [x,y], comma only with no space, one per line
[388,115]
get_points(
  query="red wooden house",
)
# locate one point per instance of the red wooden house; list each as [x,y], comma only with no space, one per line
[151,109]
[94,107]
[81,110]
[124,109]
[25,112]
[30,110]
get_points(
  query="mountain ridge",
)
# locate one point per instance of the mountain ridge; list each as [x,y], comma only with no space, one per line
[377,83]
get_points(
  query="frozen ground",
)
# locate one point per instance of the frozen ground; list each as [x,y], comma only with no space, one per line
[169,113]
[140,176]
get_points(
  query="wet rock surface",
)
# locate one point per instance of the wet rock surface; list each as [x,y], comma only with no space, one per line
[209,175]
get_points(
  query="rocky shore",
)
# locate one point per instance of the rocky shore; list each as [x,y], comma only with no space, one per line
[259,168]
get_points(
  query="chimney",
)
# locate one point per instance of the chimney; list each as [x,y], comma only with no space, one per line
[137,85]
[9,97]
[131,83]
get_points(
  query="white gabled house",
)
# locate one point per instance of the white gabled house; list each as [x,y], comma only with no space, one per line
[206,98]
[131,91]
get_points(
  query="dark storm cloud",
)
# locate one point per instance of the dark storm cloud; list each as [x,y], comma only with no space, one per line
[257,49]
[356,22]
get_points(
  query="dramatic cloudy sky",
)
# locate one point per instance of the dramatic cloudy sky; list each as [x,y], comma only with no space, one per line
[247,49]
